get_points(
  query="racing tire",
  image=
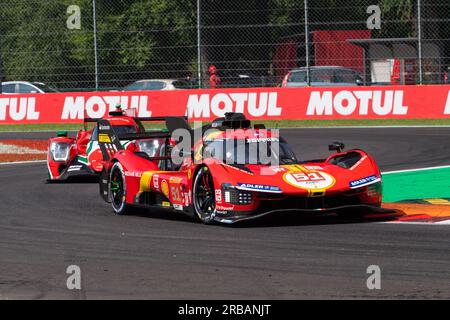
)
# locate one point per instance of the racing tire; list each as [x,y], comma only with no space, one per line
[117,190]
[203,194]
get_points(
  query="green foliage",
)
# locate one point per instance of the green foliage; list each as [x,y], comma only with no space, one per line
[402,12]
[157,38]
[36,44]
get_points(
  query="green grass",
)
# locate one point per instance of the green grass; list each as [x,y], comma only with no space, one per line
[268,123]
[413,185]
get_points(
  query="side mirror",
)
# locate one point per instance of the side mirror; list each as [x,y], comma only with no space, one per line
[359,82]
[336,146]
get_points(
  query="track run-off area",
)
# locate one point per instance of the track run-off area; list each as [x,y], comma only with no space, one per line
[44,228]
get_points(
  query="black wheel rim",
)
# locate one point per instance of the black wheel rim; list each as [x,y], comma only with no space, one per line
[116,186]
[204,198]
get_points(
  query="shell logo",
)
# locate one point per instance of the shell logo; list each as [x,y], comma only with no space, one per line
[165,188]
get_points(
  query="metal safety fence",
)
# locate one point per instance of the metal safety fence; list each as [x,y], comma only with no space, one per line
[108,45]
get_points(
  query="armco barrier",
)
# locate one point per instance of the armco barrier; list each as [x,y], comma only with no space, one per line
[400,102]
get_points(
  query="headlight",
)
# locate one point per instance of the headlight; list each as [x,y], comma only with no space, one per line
[149,147]
[235,196]
[59,151]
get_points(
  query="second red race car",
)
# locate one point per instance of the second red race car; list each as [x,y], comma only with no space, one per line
[234,185]
[80,157]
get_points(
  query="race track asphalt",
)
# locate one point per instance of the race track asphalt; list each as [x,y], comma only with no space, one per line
[44,228]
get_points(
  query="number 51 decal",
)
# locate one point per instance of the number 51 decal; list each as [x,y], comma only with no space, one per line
[311,176]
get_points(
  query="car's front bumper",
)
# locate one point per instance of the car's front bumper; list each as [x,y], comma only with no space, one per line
[356,210]
[77,171]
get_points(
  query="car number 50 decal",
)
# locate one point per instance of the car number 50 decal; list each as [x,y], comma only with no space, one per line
[310,180]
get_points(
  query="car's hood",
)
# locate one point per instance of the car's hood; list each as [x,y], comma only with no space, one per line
[309,179]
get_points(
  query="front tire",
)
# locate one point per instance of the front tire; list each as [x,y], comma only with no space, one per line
[117,190]
[204,196]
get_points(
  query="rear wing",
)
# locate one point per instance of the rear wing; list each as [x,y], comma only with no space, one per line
[109,141]
[172,122]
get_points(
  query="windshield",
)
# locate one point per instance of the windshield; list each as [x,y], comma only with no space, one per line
[266,151]
[124,129]
[119,130]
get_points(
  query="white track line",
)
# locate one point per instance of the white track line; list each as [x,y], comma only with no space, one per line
[441,223]
[419,169]
[22,162]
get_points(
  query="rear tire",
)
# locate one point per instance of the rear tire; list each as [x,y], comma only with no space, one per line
[117,190]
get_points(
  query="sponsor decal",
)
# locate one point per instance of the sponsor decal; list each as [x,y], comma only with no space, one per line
[258,187]
[187,197]
[122,119]
[447,104]
[165,188]
[278,169]
[18,109]
[270,171]
[238,169]
[176,193]
[74,168]
[255,104]
[189,174]
[165,204]
[223,208]
[178,207]
[134,174]
[218,195]
[418,102]
[155,181]
[261,140]
[313,168]
[104,138]
[316,180]
[364,181]
[175,180]
[75,107]
[346,103]
[359,162]
[104,127]
[146,181]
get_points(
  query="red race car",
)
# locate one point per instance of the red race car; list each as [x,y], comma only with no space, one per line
[81,157]
[222,176]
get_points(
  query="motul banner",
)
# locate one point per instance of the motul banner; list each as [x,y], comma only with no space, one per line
[400,102]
